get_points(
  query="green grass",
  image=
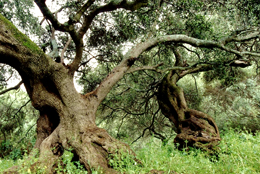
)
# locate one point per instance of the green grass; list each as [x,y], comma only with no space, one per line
[240,153]
[6,163]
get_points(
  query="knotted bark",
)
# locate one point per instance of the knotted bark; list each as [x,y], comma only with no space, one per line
[67,123]
[67,118]
[194,128]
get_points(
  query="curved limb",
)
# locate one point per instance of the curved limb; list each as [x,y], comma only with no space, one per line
[195,128]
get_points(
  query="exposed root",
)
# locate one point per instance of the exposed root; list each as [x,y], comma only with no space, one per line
[194,128]
[198,133]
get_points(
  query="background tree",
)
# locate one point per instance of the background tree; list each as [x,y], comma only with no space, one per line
[196,19]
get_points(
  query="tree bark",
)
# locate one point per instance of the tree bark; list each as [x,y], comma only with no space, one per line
[67,118]
[73,128]
[194,128]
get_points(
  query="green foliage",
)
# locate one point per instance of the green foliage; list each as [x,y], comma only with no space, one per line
[17,119]
[122,161]
[7,149]
[10,118]
[131,109]
[226,75]
[18,11]
[23,165]
[192,87]
[198,26]
[222,72]
[189,5]
[244,112]
[27,165]
[234,106]
[4,70]
[91,78]
[231,158]
[6,163]
[239,153]
[66,165]
[250,9]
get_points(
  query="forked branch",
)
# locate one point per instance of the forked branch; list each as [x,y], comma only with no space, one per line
[113,5]
[88,18]
[49,15]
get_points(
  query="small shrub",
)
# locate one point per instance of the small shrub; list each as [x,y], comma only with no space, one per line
[68,166]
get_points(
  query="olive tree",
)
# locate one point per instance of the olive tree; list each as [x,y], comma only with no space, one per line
[67,118]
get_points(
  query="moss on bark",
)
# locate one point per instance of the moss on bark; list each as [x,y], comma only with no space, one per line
[22,38]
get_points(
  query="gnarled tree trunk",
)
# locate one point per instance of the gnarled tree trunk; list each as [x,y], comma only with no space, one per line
[67,118]
[194,128]
[70,124]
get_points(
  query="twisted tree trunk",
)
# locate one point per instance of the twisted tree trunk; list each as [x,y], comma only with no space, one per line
[67,121]
[70,124]
[67,118]
[194,128]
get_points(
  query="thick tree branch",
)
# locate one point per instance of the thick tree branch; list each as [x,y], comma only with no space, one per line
[178,57]
[59,10]
[55,52]
[12,88]
[179,38]
[64,49]
[55,23]
[236,38]
[248,37]
[78,36]
[16,48]
[113,5]
[49,15]
[210,66]
[155,68]
[141,68]
[80,12]
[119,71]
[76,62]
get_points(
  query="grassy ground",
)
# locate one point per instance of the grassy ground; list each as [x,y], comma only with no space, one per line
[240,153]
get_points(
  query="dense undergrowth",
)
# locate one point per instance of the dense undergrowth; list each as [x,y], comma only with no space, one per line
[239,153]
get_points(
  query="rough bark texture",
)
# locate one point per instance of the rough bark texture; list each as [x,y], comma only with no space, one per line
[194,128]
[67,118]
[68,122]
